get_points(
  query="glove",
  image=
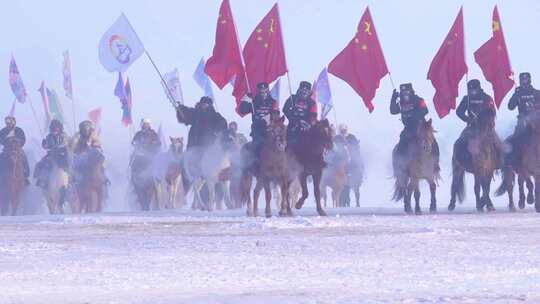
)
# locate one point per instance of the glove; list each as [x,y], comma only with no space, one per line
[246,98]
[304,125]
[395,95]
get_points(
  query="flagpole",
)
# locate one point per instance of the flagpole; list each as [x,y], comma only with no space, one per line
[284,51]
[391,81]
[35,116]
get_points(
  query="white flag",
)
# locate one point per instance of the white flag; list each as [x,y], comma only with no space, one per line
[172,80]
[120,46]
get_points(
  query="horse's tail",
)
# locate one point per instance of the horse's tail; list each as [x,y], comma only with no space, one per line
[400,188]
[458,181]
[507,182]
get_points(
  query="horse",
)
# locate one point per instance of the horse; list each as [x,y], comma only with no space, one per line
[204,165]
[418,163]
[143,180]
[334,174]
[309,152]
[173,173]
[272,168]
[56,191]
[482,163]
[527,168]
[12,179]
[355,172]
[90,186]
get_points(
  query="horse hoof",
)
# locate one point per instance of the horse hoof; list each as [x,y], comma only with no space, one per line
[321,212]
[432,209]
[298,205]
[521,204]
[451,207]
[282,213]
[530,199]
[490,209]
[418,212]
[512,208]
[480,209]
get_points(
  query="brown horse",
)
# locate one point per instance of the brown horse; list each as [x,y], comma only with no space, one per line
[174,171]
[334,175]
[272,169]
[309,153]
[12,180]
[418,163]
[480,159]
[92,181]
[528,167]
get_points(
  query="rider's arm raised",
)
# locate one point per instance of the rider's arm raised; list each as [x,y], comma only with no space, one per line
[461,110]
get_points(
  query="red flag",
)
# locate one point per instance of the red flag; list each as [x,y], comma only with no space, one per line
[448,68]
[226,61]
[264,52]
[492,57]
[361,63]
[95,117]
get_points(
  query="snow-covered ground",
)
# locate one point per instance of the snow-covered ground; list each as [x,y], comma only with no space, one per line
[358,256]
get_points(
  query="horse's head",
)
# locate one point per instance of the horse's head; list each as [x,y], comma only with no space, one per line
[486,120]
[322,133]
[277,134]
[425,135]
[177,145]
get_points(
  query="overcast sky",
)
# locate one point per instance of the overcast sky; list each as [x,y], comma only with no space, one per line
[179,33]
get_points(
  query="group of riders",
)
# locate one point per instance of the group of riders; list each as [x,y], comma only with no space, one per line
[207,125]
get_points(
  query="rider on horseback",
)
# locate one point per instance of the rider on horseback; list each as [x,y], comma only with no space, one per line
[146,141]
[413,110]
[527,99]
[11,130]
[301,112]
[474,104]
[56,143]
[82,142]
[206,123]
[264,109]
[239,138]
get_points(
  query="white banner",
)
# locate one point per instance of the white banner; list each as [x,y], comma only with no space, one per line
[120,46]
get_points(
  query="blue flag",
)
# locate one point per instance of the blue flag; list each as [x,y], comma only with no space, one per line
[323,93]
[274,92]
[202,79]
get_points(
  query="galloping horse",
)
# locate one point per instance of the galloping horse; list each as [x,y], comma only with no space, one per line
[309,153]
[143,180]
[529,167]
[58,181]
[173,173]
[334,175]
[12,180]
[272,168]
[482,163]
[418,163]
[91,184]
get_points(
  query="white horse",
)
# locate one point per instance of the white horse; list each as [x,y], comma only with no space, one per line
[170,175]
[204,166]
[56,191]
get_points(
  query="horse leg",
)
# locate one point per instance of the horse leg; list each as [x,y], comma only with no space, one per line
[537,192]
[530,190]
[285,207]
[477,185]
[213,204]
[305,193]
[417,209]
[256,193]
[268,198]
[317,191]
[409,188]
[521,182]
[486,188]
[357,195]
[433,192]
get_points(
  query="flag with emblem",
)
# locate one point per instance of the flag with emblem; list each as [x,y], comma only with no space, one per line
[264,52]
[173,86]
[492,57]
[120,46]
[202,79]
[361,63]
[66,72]
[15,82]
[448,68]
[322,93]
[226,61]
[95,117]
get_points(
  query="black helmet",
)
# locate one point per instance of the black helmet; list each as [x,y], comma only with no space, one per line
[262,85]
[56,124]
[525,79]
[305,85]
[406,87]
[473,84]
